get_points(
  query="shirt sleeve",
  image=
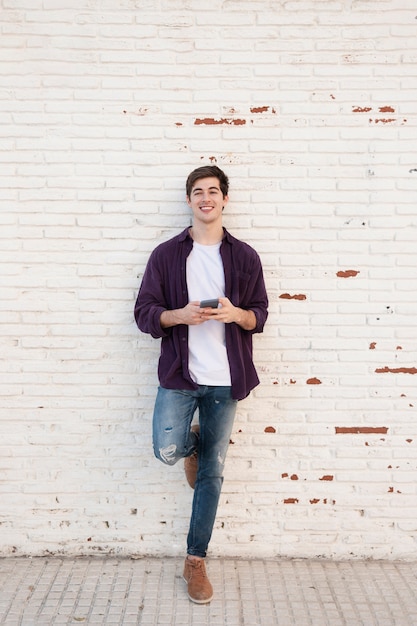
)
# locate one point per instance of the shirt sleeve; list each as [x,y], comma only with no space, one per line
[245,285]
[256,298]
[151,300]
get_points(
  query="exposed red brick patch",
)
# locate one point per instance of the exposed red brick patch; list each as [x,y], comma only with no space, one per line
[327,477]
[372,345]
[292,382]
[361,430]
[259,109]
[297,296]
[291,501]
[361,109]
[313,381]
[396,370]
[178,123]
[315,501]
[210,121]
[391,490]
[399,348]
[385,120]
[409,440]
[347,273]
[386,109]
[270,429]
[292,477]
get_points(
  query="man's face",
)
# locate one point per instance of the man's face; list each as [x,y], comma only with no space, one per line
[207,201]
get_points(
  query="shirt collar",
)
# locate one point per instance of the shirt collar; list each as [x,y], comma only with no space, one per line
[186,235]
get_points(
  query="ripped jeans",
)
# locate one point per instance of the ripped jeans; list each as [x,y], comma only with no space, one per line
[173,440]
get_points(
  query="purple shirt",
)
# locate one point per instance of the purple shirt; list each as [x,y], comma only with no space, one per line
[164,287]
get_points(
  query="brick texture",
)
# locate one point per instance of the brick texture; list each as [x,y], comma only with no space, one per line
[310,109]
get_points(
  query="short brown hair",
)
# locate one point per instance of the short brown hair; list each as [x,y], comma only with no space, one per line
[207,171]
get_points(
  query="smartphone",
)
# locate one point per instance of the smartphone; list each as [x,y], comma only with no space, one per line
[212,304]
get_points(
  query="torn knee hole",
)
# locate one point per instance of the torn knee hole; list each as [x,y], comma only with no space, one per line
[168,454]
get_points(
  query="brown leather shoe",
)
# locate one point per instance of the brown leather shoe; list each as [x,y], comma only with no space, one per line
[200,590]
[191,463]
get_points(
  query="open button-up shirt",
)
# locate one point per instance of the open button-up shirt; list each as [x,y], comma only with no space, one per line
[164,287]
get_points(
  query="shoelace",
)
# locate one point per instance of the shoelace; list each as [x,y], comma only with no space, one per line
[198,568]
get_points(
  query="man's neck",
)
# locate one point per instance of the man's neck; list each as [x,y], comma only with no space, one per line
[206,236]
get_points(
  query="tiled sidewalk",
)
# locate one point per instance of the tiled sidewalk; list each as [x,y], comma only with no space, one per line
[151,592]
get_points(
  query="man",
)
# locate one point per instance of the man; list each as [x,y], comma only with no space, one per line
[206,351]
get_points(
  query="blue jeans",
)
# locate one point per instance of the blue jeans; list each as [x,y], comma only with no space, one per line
[173,440]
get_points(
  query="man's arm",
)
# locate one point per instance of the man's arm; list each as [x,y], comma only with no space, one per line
[189,315]
[170,318]
[246,319]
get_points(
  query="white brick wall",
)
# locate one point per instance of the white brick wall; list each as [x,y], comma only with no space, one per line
[310,108]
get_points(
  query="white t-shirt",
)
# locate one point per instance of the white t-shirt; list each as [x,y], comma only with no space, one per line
[208,362]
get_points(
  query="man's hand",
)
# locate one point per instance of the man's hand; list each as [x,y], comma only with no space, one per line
[228,313]
[193,315]
[189,315]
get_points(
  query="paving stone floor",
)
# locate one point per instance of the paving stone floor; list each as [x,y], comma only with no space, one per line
[151,592]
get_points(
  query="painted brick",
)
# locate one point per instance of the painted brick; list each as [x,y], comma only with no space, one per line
[309,107]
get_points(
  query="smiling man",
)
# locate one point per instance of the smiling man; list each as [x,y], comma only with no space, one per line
[206,351]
